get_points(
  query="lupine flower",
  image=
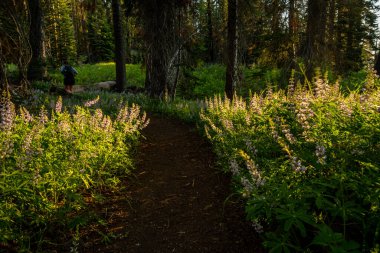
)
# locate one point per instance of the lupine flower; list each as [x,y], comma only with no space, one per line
[269,93]
[234,166]
[257,226]
[320,152]
[25,115]
[288,135]
[322,89]
[227,124]
[304,113]
[36,178]
[345,109]
[297,165]
[248,186]
[255,104]
[27,142]
[7,114]
[255,174]
[274,133]
[6,148]
[250,147]
[291,86]
[107,122]
[90,103]
[43,116]
[98,114]
[58,105]
[64,126]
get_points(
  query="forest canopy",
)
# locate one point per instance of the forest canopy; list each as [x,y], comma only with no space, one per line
[333,35]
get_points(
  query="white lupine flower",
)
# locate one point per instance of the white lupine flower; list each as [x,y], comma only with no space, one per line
[90,103]
[251,147]
[58,105]
[297,165]
[7,114]
[248,186]
[257,226]
[288,135]
[320,152]
[234,167]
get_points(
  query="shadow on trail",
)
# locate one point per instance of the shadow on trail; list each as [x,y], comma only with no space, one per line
[176,203]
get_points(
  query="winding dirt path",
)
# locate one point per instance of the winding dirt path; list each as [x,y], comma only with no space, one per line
[177,201]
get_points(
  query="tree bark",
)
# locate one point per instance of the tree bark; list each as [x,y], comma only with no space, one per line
[160,42]
[3,75]
[36,68]
[119,47]
[210,31]
[377,64]
[315,35]
[292,32]
[331,46]
[232,49]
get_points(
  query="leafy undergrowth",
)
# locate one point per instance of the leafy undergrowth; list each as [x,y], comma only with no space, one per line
[307,163]
[50,161]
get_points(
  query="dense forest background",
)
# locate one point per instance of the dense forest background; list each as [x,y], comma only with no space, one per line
[169,38]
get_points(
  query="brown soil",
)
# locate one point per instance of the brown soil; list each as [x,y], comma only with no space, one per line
[178,201]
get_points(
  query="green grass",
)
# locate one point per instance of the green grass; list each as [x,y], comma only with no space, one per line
[90,74]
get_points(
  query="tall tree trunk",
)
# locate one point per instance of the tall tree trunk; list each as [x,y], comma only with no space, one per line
[377,64]
[331,46]
[36,68]
[160,39]
[232,49]
[292,32]
[3,73]
[315,35]
[119,47]
[128,7]
[210,39]
[275,16]
[173,89]
[339,36]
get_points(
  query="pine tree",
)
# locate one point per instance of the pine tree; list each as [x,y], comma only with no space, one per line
[100,36]
[60,32]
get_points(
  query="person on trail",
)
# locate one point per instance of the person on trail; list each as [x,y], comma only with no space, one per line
[68,73]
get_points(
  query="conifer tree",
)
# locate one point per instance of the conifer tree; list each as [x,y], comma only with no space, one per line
[60,32]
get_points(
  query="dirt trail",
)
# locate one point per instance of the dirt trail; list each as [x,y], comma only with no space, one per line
[176,203]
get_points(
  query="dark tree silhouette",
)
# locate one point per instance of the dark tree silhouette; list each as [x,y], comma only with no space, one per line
[377,64]
[314,44]
[36,68]
[232,41]
[210,31]
[119,47]
[159,19]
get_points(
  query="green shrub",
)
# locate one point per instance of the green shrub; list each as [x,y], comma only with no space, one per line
[211,80]
[49,160]
[307,163]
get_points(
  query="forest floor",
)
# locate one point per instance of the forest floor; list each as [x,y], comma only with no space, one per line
[177,200]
